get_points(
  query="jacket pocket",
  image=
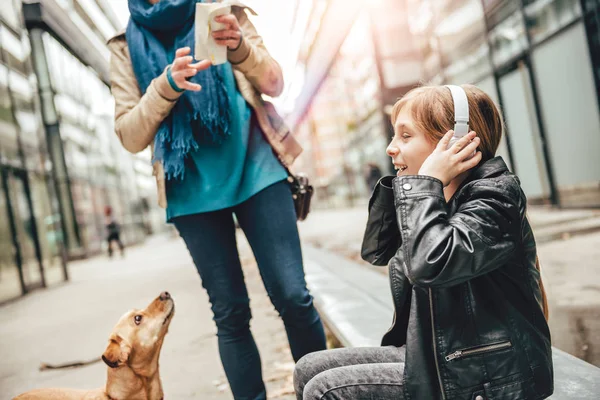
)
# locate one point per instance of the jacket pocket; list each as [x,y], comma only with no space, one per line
[516,390]
[477,350]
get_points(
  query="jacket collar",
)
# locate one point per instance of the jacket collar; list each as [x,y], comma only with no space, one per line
[488,169]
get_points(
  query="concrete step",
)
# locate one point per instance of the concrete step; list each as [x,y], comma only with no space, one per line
[541,217]
[566,228]
[548,224]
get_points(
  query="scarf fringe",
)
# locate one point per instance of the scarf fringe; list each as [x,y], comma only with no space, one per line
[172,152]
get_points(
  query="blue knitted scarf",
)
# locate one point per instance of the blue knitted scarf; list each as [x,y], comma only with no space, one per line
[154,33]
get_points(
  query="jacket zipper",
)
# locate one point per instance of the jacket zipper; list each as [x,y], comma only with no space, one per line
[437,367]
[478,350]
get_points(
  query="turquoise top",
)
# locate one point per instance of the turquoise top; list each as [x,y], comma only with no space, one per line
[219,176]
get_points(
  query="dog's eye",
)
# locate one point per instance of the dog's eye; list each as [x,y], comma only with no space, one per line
[137,319]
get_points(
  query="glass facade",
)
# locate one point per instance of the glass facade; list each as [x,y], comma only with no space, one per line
[61,163]
[25,202]
[508,38]
[539,60]
[530,57]
[344,130]
[10,12]
[10,283]
[543,18]
[92,152]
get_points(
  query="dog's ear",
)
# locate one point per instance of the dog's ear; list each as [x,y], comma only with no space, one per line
[117,352]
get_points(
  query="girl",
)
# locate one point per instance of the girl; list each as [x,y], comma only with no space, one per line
[471,314]
[214,142]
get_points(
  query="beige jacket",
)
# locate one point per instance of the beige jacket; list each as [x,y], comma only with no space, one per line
[138,117]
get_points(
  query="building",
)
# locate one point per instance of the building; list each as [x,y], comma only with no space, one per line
[60,162]
[345,122]
[538,59]
[352,70]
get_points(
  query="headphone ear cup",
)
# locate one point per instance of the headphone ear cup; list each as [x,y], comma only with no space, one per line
[453,140]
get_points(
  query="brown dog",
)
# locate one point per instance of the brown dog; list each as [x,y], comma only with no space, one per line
[132,355]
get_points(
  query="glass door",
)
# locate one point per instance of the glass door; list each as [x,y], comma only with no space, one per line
[522,123]
[24,229]
[10,280]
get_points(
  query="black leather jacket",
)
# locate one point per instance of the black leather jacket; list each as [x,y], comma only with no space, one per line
[465,286]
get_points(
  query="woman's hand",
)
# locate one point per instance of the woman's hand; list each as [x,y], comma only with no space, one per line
[231,35]
[446,163]
[182,69]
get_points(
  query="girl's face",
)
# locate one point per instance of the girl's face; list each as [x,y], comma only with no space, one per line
[409,147]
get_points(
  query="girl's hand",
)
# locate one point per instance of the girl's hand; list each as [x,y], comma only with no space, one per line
[182,69]
[231,35]
[446,163]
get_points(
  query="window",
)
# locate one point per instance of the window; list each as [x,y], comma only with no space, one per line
[10,286]
[9,12]
[544,17]
[462,42]
[8,128]
[48,226]
[15,51]
[508,39]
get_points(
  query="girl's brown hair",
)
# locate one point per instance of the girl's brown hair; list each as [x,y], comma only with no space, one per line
[433,114]
[432,111]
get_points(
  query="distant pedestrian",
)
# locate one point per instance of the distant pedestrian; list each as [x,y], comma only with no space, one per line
[113,231]
[372,175]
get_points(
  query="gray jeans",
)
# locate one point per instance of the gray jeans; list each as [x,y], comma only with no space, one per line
[351,373]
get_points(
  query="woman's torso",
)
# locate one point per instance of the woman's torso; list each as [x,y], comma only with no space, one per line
[222,175]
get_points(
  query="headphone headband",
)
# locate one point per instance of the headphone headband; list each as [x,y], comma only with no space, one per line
[461,110]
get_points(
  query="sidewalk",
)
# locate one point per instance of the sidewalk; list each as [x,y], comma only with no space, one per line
[569,252]
[72,321]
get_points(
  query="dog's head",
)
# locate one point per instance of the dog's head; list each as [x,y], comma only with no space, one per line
[137,338]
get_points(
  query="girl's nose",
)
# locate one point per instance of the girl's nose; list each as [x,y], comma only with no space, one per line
[392,150]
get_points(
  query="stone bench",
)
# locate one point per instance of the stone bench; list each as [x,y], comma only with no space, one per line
[355,304]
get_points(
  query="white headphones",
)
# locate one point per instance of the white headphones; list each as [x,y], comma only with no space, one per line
[461,113]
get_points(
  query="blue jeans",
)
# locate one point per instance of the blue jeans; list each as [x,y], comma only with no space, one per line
[268,220]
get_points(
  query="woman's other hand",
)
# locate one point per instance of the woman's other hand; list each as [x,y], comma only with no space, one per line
[182,69]
[231,35]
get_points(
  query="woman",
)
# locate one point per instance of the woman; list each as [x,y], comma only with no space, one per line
[471,311]
[213,139]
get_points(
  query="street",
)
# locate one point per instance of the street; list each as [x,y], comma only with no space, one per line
[72,321]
